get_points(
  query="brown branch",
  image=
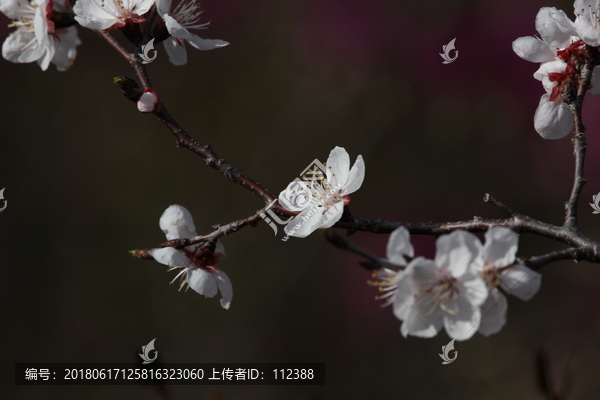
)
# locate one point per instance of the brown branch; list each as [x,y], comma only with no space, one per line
[183,139]
[220,230]
[137,66]
[374,261]
[584,248]
[579,145]
[587,253]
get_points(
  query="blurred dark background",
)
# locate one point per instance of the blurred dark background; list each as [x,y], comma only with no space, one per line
[87,177]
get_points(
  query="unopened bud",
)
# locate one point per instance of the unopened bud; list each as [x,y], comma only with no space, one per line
[148,101]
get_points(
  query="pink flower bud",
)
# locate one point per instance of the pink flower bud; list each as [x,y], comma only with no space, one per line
[148,101]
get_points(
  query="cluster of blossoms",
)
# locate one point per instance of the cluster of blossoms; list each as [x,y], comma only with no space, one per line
[197,271]
[45,29]
[323,205]
[461,289]
[561,50]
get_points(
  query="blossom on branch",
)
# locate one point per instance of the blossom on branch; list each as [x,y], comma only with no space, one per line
[110,14]
[37,37]
[178,21]
[443,292]
[328,198]
[496,265]
[462,289]
[562,55]
[197,273]
[148,101]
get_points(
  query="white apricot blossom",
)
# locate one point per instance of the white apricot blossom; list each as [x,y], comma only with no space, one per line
[558,45]
[496,265]
[36,37]
[110,14]
[201,275]
[444,292]
[179,21]
[327,199]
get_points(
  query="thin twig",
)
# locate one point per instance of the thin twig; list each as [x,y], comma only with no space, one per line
[219,231]
[374,261]
[488,198]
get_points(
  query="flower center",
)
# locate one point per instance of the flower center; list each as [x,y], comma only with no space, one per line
[187,13]
[591,15]
[442,293]
[491,276]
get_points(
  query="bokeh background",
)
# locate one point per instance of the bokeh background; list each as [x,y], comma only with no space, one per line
[87,177]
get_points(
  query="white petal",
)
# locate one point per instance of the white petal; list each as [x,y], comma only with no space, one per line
[176,51]
[224,287]
[148,102]
[202,282]
[565,24]
[500,246]
[163,7]
[553,34]
[171,257]
[399,245]
[587,32]
[455,251]
[177,222]
[47,56]
[493,313]
[141,7]
[92,16]
[419,322]
[355,177]
[206,44]
[404,294]
[338,163]
[423,273]
[304,223]
[297,196]
[332,215]
[15,42]
[552,119]
[521,282]
[532,49]
[463,325]
[14,9]
[65,48]
[473,288]
[176,29]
